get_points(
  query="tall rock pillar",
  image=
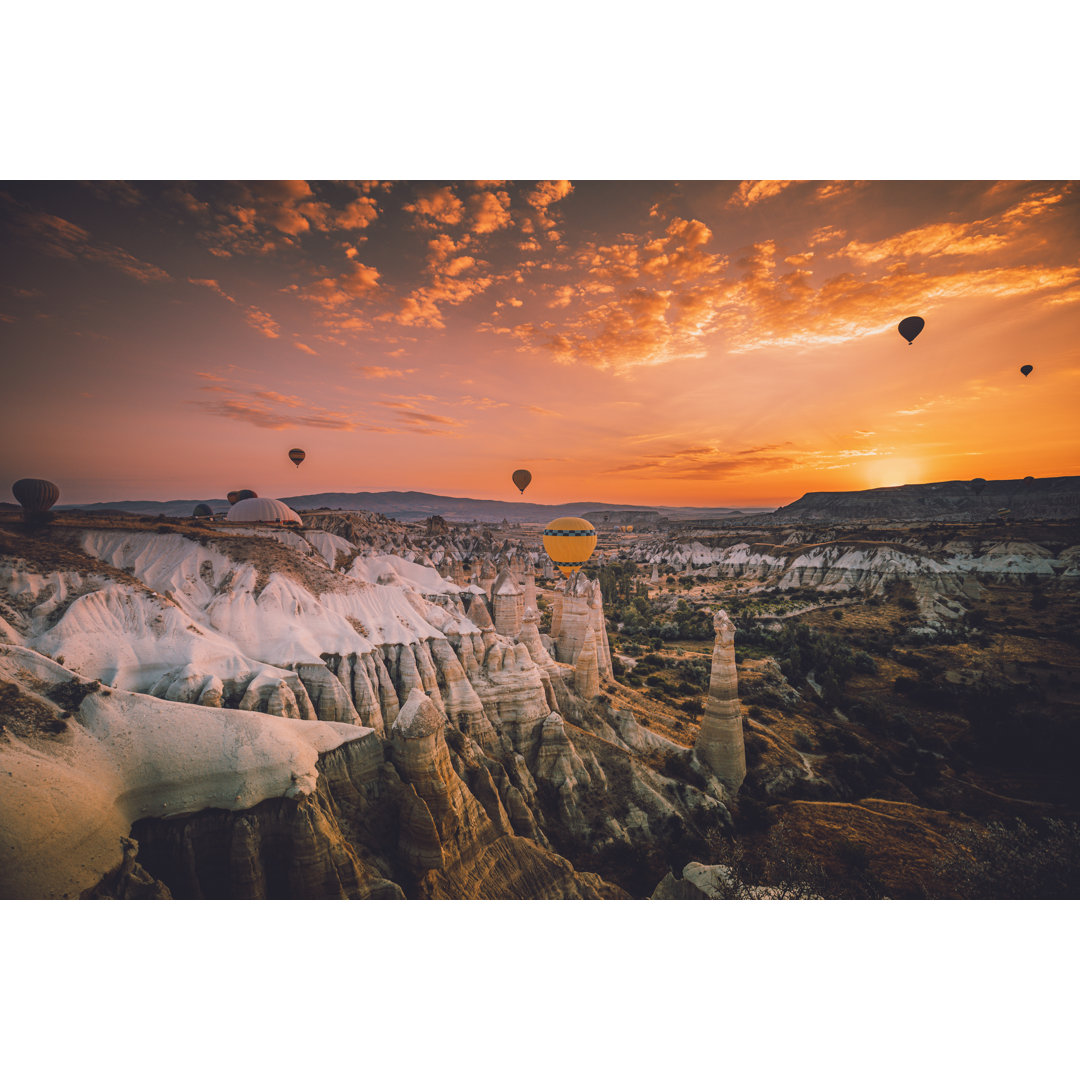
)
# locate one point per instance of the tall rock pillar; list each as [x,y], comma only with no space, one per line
[719,744]
[508,599]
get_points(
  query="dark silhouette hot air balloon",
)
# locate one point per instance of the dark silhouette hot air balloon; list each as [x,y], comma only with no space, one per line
[36,496]
[1029,480]
[569,541]
[911,327]
[522,479]
[296,456]
[977,484]
[1026,370]
[244,493]
[202,511]
[232,497]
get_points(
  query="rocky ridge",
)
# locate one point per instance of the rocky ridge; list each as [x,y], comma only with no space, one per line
[453,761]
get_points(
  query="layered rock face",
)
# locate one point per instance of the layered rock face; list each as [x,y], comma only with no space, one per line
[283,670]
[719,744]
[579,607]
[586,670]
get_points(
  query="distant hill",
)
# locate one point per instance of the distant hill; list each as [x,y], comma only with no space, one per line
[416,505]
[1055,497]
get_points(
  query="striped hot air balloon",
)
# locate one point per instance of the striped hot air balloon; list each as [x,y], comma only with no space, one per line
[35,496]
[296,455]
[569,541]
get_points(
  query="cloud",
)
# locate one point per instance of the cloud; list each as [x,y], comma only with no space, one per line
[262,416]
[263,323]
[541,411]
[543,196]
[440,207]
[257,319]
[489,211]
[628,331]
[118,191]
[754,191]
[835,188]
[359,214]
[304,348]
[214,286]
[337,292]
[419,422]
[370,371]
[65,240]
[957,238]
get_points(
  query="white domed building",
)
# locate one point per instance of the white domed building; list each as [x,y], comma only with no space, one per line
[264,512]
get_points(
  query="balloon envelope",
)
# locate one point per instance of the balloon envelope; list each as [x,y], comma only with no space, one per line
[296,456]
[522,479]
[1029,480]
[977,484]
[202,511]
[35,495]
[569,541]
[1026,370]
[242,494]
[232,497]
[911,327]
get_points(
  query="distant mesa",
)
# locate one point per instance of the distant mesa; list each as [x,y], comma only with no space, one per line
[263,511]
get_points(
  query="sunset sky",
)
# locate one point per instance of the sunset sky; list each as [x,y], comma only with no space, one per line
[696,343]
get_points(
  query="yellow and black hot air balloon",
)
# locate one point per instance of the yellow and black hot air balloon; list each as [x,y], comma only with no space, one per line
[569,541]
[296,455]
[522,479]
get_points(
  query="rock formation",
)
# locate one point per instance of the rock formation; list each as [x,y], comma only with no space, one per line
[719,744]
[577,608]
[586,671]
[508,599]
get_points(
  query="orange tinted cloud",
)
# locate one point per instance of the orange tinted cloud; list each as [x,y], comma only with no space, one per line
[489,211]
[441,207]
[753,191]
[66,240]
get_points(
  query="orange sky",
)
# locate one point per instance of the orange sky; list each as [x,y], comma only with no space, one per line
[691,343]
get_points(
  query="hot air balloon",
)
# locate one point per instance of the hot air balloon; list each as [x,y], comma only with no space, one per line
[297,455]
[569,541]
[202,511]
[522,479]
[911,327]
[1026,370]
[977,484]
[242,494]
[232,497]
[36,496]
[1029,480]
